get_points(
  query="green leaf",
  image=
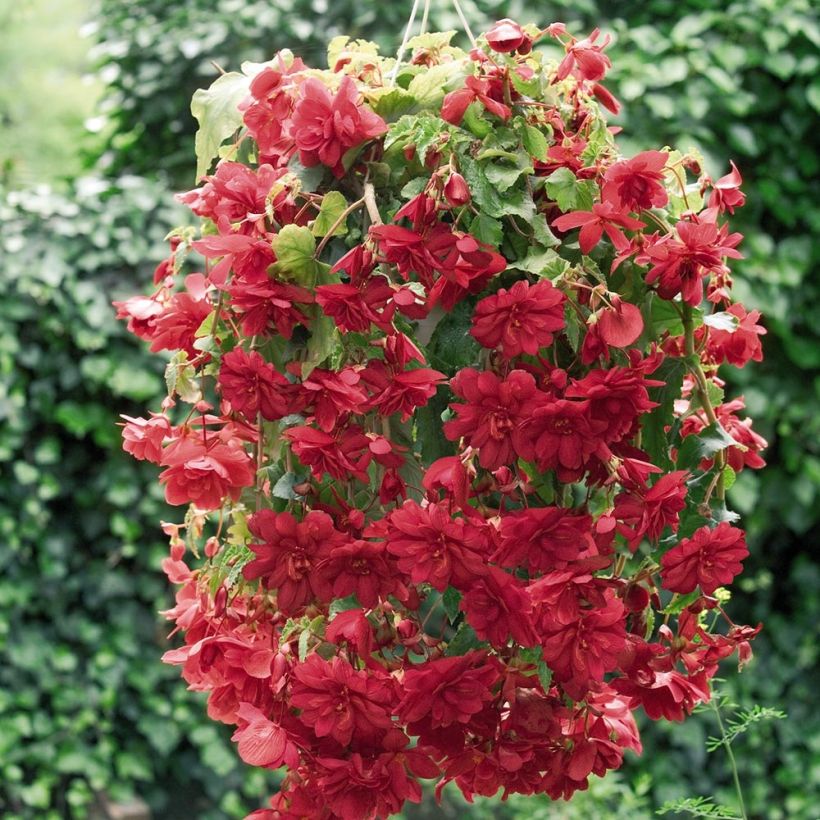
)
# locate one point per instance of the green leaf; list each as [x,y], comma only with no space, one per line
[486,229]
[706,444]
[294,247]
[283,488]
[429,87]
[535,143]
[215,109]
[536,261]
[570,193]
[333,206]
[542,233]
[304,637]
[654,438]
[463,641]
[699,807]
[391,103]
[504,176]
[451,601]
[324,337]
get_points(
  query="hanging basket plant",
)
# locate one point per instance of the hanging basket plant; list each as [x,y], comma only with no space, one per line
[444,410]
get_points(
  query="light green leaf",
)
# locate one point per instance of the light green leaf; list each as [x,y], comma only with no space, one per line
[215,109]
[536,261]
[429,87]
[570,193]
[323,340]
[333,206]
[535,142]
[294,247]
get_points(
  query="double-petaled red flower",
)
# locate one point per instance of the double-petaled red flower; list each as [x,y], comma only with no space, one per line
[430,546]
[493,411]
[205,473]
[543,538]
[637,184]
[520,320]
[287,555]
[341,702]
[447,690]
[709,559]
[252,385]
[326,126]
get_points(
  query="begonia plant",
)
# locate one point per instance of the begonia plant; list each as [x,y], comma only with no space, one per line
[444,410]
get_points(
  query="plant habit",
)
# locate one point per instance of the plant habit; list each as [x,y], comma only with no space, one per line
[443,406]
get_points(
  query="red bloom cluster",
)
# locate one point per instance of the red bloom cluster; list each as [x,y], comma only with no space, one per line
[439,467]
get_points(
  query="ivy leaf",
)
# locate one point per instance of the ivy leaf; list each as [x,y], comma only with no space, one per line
[535,143]
[294,247]
[215,109]
[706,444]
[333,206]
[570,193]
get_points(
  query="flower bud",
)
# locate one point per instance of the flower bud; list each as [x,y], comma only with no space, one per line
[211,547]
[506,36]
[456,191]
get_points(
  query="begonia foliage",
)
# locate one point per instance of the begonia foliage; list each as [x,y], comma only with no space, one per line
[445,415]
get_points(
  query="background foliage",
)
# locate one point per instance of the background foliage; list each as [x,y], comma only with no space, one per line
[84,703]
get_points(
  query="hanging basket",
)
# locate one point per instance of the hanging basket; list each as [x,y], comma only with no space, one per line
[444,411]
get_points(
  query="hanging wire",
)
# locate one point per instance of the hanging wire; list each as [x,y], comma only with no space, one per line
[403,46]
[464,22]
[424,16]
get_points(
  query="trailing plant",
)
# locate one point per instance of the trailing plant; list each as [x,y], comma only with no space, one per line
[444,411]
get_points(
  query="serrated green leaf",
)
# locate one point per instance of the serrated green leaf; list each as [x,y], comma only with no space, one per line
[536,261]
[429,87]
[706,444]
[332,207]
[304,638]
[503,175]
[215,109]
[570,193]
[391,103]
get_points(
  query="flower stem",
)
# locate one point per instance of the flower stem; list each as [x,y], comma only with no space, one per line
[732,762]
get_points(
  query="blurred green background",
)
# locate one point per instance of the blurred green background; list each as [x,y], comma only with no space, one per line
[95,134]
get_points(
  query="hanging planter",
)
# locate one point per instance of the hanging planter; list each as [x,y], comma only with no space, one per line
[444,409]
